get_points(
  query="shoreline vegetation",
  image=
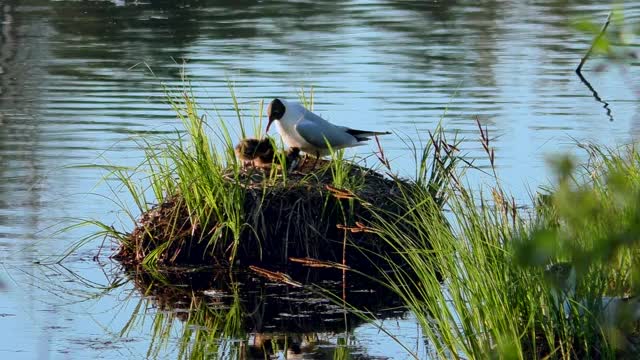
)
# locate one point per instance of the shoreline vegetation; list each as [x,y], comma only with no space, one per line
[483,276]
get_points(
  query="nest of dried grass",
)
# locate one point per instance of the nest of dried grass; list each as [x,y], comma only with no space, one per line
[304,216]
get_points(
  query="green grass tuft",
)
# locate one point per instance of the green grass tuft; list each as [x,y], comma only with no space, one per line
[477,280]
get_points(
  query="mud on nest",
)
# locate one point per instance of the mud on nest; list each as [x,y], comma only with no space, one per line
[300,217]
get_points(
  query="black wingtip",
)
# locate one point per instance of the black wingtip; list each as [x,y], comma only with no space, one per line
[363,135]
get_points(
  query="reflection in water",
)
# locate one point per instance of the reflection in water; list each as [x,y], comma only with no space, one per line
[605,104]
[19,132]
[240,316]
[70,94]
[8,41]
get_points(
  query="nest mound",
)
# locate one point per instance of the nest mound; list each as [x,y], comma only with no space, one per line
[304,216]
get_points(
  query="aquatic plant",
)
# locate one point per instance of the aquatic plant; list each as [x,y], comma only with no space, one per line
[199,204]
[475,275]
[478,280]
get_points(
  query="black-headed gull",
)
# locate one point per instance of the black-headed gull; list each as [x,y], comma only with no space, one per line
[301,128]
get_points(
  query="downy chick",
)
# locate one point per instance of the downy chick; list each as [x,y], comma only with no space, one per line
[254,152]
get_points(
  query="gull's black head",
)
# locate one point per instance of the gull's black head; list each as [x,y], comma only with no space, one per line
[275,111]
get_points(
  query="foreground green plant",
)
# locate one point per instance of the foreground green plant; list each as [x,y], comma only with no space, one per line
[198,171]
[479,280]
[615,42]
[198,174]
[476,279]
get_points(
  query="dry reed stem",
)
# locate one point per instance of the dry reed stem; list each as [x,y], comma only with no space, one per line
[359,228]
[340,193]
[315,263]
[380,154]
[276,276]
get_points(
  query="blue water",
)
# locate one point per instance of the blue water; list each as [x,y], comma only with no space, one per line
[82,83]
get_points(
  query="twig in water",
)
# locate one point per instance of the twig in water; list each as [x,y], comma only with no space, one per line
[593,44]
[595,95]
[584,60]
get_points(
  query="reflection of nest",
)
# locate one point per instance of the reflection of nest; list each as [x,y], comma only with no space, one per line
[296,218]
[266,307]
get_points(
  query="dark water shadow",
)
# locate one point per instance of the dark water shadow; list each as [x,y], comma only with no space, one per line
[239,315]
[595,94]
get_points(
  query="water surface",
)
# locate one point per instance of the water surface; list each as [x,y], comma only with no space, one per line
[81,83]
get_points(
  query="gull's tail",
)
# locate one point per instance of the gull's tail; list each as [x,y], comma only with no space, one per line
[362,135]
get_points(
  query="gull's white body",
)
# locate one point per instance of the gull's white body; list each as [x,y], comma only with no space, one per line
[302,128]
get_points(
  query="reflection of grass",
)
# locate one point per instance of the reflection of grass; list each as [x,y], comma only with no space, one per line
[200,329]
[495,297]
[194,313]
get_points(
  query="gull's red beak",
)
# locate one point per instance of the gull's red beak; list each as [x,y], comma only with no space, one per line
[269,123]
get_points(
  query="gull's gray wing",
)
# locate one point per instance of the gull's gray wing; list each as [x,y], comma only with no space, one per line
[318,131]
